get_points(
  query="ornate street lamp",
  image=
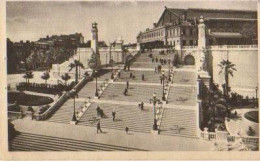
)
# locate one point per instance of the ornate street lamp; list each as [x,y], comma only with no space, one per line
[256,89]
[154,100]
[96,93]
[169,63]
[94,64]
[73,94]
[163,77]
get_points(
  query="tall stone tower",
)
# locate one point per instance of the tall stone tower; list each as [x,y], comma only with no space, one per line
[201,44]
[94,40]
[201,62]
[94,62]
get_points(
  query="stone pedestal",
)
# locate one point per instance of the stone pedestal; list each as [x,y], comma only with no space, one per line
[205,78]
[29,115]
[155,132]
[73,122]
[221,135]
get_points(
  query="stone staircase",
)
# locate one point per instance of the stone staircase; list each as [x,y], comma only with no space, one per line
[35,142]
[183,77]
[88,90]
[136,93]
[178,122]
[149,76]
[182,95]
[126,115]
[65,113]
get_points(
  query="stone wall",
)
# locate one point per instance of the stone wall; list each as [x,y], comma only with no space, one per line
[245,59]
[245,78]
[83,55]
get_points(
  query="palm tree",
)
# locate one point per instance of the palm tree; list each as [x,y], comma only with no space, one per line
[65,77]
[28,75]
[76,64]
[227,68]
[45,76]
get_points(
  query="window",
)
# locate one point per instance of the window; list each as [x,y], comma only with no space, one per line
[183,32]
[183,43]
[191,42]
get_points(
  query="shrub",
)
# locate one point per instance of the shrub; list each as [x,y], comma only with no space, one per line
[250,131]
[30,108]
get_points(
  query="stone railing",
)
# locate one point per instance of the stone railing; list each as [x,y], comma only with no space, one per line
[53,108]
[82,83]
[208,135]
[223,135]
[159,115]
[61,101]
[13,114]
[233,47]
[189,47]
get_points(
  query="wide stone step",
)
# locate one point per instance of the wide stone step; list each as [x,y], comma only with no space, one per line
[36,142]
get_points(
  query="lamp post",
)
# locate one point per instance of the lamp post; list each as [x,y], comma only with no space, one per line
[256,89]
[154,100]
[96,93]
[163,77]
[169,63]
[73,95]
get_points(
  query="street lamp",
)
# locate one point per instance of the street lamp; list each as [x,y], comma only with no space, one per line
[169,63]
[73,95]
[96,93]
[154,100]
[256,89]
[163,77]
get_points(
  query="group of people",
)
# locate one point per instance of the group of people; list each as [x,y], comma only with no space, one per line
[141,106]
[101,113]
[158,69]
[162,61]
[127,67]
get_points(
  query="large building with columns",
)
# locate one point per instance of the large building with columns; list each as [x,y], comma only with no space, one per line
[178,27]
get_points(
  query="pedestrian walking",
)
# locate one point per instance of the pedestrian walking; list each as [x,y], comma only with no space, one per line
[142,77]
[119,74]
[125,68]
[131,75]
[142,106]
[155,69]
[126,130]
[127,84]
[98,111]
[113,115]
[99,127]
[156,60]
[161,79]
[125,92]
[152,60]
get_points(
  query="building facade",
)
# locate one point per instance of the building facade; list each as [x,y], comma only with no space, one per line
[179,27]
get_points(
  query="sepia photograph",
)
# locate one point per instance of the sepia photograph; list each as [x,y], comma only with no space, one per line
[132,76]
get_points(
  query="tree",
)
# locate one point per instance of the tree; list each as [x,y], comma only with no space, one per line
[28,75]
[76,64]
[227,68]
[45,76]
[65,77]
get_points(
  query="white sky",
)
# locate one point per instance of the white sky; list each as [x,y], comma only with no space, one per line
[32,20]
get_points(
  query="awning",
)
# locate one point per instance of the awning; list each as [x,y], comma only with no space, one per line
[225,34]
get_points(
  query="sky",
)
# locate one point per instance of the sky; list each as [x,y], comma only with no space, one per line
[32,20]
